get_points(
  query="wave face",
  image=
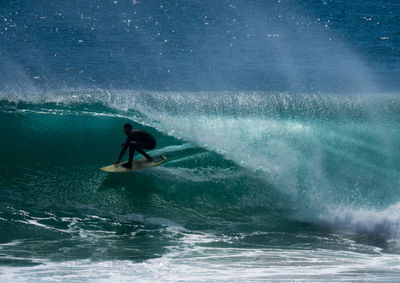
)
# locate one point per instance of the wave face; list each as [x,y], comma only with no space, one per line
[247,174]
[279,119]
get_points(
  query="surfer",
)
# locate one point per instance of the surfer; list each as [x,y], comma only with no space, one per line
[137,140]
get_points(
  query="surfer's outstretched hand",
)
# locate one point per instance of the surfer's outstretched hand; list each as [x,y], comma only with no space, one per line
[123,144]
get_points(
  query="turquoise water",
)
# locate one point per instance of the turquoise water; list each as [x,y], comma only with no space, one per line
[279,120]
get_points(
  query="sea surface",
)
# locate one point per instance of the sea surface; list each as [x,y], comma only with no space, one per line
[280,121]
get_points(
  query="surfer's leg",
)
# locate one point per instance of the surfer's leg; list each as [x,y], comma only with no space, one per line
[141,151]
[128,164]
[131,153]
[149,144]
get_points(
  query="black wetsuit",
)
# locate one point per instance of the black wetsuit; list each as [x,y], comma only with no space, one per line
[138,140]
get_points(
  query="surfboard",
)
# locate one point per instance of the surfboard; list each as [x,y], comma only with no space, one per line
[138,164]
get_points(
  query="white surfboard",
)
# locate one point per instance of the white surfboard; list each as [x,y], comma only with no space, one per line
[137,164]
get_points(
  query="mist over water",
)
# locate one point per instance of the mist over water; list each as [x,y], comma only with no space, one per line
[200,45]
[279,120]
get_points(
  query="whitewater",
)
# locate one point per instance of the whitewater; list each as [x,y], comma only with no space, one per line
[279,120]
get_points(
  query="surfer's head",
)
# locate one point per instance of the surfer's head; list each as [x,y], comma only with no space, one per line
[127,128]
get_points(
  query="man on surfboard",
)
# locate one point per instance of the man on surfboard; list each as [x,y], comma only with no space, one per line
[137,140]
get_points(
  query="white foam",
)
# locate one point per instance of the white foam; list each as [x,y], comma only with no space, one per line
[384,222]
[205,264]
[173,148]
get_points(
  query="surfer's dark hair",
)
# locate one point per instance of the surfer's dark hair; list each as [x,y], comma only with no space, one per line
[128,126]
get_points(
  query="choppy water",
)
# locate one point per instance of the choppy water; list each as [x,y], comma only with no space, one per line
[279,119]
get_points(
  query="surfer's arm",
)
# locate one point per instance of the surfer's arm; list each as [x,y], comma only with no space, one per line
[125,147]
[122,152]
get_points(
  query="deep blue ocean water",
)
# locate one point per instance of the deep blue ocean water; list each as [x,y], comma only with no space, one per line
[279,120]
